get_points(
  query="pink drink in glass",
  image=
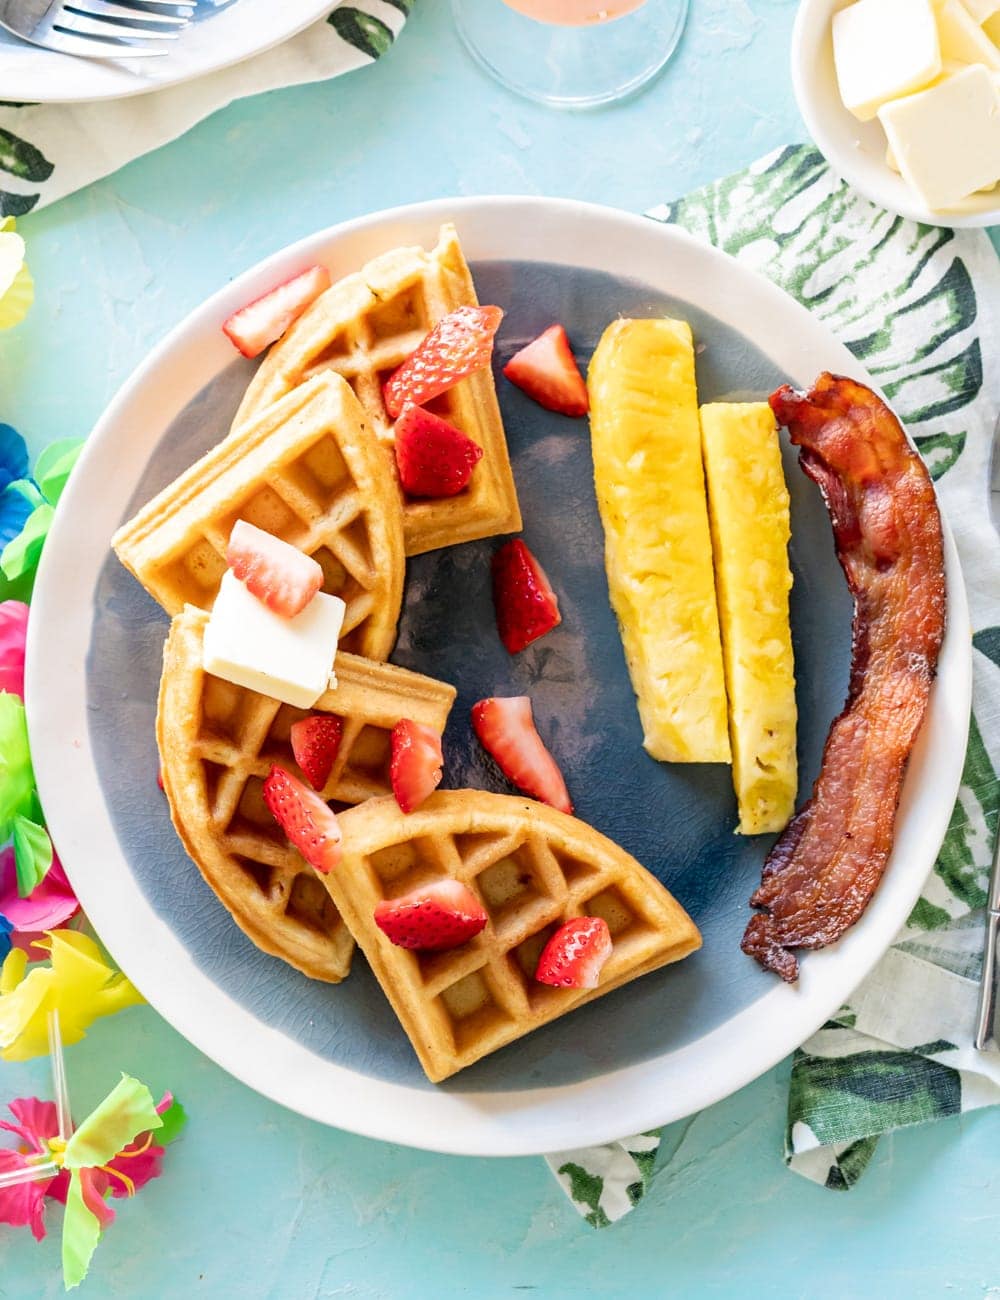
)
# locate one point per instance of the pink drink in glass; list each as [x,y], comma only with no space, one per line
[574,13]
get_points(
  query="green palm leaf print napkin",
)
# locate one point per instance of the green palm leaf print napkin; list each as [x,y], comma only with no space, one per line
[918,306]
[48,150]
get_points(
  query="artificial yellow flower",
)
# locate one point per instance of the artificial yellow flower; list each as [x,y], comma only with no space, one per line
[17,292]
[77,982]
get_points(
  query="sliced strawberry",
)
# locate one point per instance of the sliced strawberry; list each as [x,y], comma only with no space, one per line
[506,729]
[159,778]
[548,373]
[310,824]
[573,957]
[459,344]
[278,574]
[432,918]
[526,605]
[434,458]
[265,319]
[415,767]
[315,744]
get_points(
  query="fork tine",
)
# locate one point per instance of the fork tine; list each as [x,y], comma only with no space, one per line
[75,24]
[117,13]
[86,47]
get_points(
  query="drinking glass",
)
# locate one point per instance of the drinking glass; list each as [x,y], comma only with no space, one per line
[571,53]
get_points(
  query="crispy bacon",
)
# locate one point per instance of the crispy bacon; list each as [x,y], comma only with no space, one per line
[822,872]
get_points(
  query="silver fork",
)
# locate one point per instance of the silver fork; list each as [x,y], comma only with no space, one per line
[985,1027]
[98,29]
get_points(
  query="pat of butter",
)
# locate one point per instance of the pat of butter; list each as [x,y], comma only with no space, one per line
[981,10]
[883,49]
[946,140]
[290,659]
[961,37]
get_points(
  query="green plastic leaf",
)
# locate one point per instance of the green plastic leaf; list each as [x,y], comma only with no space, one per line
[17,779]
[80,1235]
[125,1112]
[27,489]
[53,467]
[21,555]
[174,1120]
[32,854]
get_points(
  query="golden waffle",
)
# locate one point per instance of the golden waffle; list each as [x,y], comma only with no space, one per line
[217,743]
[533,868]
[364,327]
[309,470]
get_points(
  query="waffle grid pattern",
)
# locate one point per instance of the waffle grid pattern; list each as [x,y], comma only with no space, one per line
[218,742]
[459,1005]
[363,328]
[309,472]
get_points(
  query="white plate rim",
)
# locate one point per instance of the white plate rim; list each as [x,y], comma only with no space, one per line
[218,41]
[845,142]
[531,1121]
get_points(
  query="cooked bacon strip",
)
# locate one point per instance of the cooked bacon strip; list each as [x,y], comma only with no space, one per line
[822,872]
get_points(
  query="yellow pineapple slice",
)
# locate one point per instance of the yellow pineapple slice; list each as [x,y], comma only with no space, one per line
[657,546]
[748,507]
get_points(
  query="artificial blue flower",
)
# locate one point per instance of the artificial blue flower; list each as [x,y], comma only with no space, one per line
[13,455]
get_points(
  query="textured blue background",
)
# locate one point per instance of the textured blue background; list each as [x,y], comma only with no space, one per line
[259,1203]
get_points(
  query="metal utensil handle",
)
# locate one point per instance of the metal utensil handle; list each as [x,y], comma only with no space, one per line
[987,985]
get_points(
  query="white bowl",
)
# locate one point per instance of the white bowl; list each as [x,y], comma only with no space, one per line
[856,150]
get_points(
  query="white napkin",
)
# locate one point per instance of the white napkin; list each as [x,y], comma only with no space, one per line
[48,150]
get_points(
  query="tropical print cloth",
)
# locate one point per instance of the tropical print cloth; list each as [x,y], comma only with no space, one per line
[918,305]
[48,150]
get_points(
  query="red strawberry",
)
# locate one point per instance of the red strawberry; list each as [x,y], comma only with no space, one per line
[432,918]
[547,372]
[315,742]
[573,957]
[278,574]
[506,729]
[434,458]
[265,319]
[415,767]
[459,343]
[310,824]
[159,778]
[526,605]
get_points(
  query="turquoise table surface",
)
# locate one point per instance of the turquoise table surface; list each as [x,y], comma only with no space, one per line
[257,1202]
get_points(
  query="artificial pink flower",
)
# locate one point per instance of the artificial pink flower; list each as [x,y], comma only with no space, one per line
[23,1205]
[48,907]
[13,629]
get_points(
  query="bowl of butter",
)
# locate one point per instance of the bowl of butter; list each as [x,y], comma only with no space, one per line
[903,99]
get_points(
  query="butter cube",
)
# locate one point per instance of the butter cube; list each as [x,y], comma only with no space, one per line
[961,37]
[946,140]
[883,49]
[290,659]
[981,10]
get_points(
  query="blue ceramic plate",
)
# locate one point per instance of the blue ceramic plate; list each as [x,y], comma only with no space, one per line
[647,1053]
